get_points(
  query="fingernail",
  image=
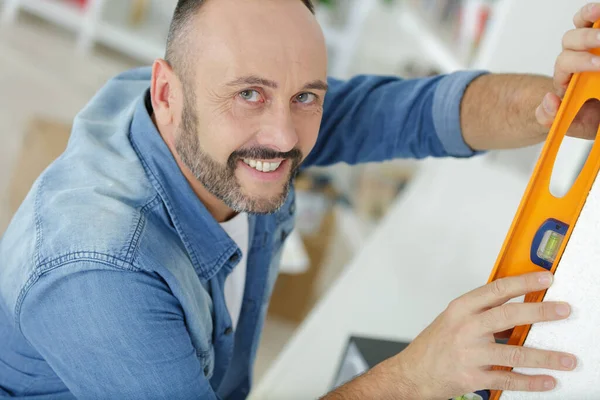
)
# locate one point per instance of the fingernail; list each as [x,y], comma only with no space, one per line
[546,104]
[567,362]
[563,310]
[548,384]
[546,278]
[596,61]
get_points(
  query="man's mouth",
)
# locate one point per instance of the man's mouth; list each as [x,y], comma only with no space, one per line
[262,166]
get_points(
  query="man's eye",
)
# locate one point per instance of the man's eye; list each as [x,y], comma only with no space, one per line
[306,98]
[250,95]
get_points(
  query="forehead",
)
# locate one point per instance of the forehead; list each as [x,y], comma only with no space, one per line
[278,39]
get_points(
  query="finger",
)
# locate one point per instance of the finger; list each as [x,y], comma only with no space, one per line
[524,357]
[512,381]
[501,290]
[570,62]
[581,39]
[547,110]
[587,15]
[509,315]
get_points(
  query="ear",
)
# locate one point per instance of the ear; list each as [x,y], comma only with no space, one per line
[165,93]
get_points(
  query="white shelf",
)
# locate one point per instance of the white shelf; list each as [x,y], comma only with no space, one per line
[59,12]
[439,50]
[145,41]
[130,42]
[105,22]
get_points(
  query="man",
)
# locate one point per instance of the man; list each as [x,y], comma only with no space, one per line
[141,263]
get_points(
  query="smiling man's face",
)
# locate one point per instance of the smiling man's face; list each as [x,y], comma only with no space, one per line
[252,99]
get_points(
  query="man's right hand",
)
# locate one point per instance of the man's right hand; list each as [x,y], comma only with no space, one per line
[455,354]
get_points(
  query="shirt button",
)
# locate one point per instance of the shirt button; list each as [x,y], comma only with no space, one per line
[206,371]
[229,330]
[234,257]
[293,208]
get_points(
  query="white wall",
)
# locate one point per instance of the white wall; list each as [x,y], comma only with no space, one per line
[526,37]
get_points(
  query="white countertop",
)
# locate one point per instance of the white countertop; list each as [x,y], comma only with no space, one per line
[440,240]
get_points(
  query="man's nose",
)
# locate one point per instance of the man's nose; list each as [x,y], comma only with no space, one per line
[278,131]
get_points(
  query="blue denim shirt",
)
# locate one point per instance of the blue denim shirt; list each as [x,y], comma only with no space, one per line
[112,270]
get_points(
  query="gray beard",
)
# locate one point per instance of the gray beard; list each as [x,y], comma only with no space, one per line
[218,179]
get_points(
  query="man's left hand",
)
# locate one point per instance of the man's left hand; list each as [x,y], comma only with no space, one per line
[575,57]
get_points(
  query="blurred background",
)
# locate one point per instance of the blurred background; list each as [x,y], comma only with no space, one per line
[378,249]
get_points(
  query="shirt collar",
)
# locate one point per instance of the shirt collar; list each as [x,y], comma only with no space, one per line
[207,244]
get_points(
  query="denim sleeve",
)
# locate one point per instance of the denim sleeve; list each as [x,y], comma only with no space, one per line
[113,334]
[377,118]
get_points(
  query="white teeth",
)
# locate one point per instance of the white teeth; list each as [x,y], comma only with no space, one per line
[262,166]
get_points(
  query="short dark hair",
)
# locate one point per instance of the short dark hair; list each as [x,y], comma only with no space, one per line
[184,11]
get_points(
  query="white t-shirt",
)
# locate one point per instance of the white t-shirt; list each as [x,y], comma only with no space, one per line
[237,229]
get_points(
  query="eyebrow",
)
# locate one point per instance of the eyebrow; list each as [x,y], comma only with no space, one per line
[257,80]
[316,85]
[253,80]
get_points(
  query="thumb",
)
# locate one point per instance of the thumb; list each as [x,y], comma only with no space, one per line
[547,110]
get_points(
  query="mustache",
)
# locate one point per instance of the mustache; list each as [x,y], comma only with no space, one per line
[261,153]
